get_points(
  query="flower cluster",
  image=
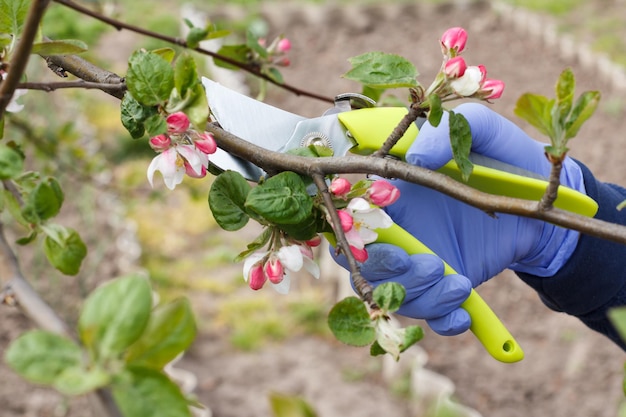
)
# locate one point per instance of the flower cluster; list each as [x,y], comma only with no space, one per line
[182,150]
[459,78]
[276,51]
[362,215]
[277,264]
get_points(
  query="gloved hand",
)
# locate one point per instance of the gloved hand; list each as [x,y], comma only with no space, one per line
[475,244]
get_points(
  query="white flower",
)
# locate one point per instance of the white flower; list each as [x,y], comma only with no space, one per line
[292,257]
[171,164]
[14,106]
[469,83]
[366,218]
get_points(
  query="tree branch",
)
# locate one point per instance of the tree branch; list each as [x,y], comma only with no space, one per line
[180,42]
[48,87]
[22,52]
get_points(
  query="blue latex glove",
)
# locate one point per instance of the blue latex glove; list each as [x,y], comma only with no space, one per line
[475,244]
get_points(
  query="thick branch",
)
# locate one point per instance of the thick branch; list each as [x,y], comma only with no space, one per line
[270,160]
[22,52]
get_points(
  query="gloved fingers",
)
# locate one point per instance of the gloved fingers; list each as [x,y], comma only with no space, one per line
[384,261]
[492,135]
[457,322]
[441,299]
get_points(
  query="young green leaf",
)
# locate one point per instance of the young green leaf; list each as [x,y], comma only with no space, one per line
[350,322]
[142,392]
[134,115]
[290,406]
[13,16]
[185,73]
[170,331]
[155,125]
[252,41]
[195,36]
[59,47]
[389,296]
[114,316]
[79,380]
[382,70]
[583,109]
[436,110]
[282,199]
[227,198]
[198,107]
[461,141]
[150,78]
[11,163]
[46,198]
[535,109]
[64,248]
[565,87]
[40,356]
[238,53]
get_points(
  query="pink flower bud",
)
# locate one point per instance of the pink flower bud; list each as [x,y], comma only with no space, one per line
[193,174]
[256,277]
[160,142]
[283,62]
[284,45]
[491,89]
[453,41]
[274,270]
[455,67]
[315,242]
[206,143]
[483,73]
[177,122]
[346,220]
[382,193]
[359,254]
[340,186]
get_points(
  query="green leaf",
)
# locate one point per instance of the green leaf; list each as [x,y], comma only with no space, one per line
[11,163]
[64,249]
[290,406]
[282,199]
[436,110]
[256,244]
[170,331]
[40,356]
[167,54]
[350,322]
[150,78]
[306,229]
[47,198]
[535,109]
[115,315]
[565,87]
[13,15]
[13,206]
[238,53]
[195,36]
[618,318]
[59,47]
[252,42]
[134,115]
[382,70]
[227,199]
[461,141]
[147,392]
[198,108]
[389,296]
[583,109]
[79,380]
[376,349]
[275,75]
[412,335]
[185,73]
[155,124]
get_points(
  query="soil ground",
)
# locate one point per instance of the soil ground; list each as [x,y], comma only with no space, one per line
[568,370]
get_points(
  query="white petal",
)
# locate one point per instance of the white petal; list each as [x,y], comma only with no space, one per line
[191,154]
[171,181]
[358,205]
[312,267]
[291,257]
[283,286]
[367,235]
[374,219]
[250,261]
[354,238]
[469,83]
[152,168]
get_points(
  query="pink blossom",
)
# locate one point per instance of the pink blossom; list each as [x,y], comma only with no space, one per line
[160,142]
[284,45]
[274,270]
[359,254]
[206,143]
[345,219]
[365,220]
[177,122]
[340,186]
[491,89]
[193,174]
[283,62]
[174,162]
[453,41]
[382,193]
[455,67]
[256,277]
[314,242]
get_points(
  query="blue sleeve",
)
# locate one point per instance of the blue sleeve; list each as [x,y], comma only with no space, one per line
[594,279]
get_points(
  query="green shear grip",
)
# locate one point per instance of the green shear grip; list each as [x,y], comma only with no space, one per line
[486,326]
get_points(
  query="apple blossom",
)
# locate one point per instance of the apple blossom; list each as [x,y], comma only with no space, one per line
[274,270]
[365,219]
[177,122]
[206,143]
[160,142]
[345,219]
[172,164]
[383,193]
[455,67]
[469,83]
[340,186]
[256,277]
[491,89]
[453,41]
[284,45]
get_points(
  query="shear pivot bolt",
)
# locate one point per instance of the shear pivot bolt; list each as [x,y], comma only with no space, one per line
[316,139]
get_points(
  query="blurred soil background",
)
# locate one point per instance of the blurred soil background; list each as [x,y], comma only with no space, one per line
[251,344]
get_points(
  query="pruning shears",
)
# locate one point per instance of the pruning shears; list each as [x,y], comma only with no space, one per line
[355,125]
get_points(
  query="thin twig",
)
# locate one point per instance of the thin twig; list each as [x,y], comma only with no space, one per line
[181,42]
[361,286]
[48,87]
[22,52]
[551,193]
[414,112]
